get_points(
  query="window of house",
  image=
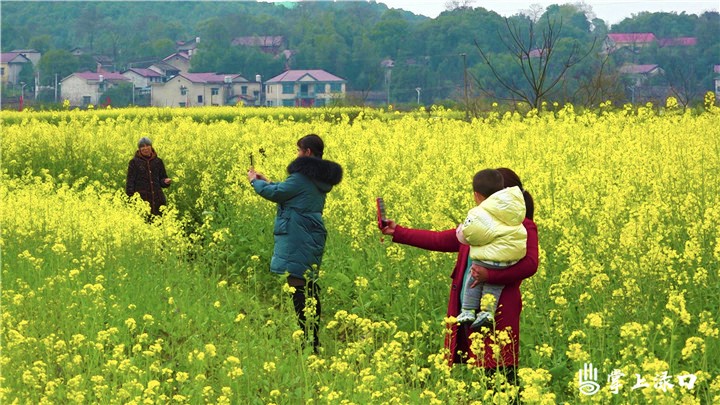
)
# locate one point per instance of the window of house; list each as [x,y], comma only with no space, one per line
[288,88]
[86,100]
[183,90]
[101,87]
[288,103]
[2,71]
[182,104]
[200,99]
[243,90]
[319,88]
[214,91]
[335,87]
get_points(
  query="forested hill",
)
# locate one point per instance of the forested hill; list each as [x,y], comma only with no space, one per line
[350,39]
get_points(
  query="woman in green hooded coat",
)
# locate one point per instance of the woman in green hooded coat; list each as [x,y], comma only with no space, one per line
[299,230]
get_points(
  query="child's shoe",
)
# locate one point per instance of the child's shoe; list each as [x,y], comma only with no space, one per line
[483,319]
[466,316]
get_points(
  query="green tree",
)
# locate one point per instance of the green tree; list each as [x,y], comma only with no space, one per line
[119,95]
[388,31]
[41,43]
[56,61]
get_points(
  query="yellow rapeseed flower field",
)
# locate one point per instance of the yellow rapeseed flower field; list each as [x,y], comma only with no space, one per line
[100,305]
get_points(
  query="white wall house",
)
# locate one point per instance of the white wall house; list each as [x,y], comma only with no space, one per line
[143,78]
[205,89]
[304,88]
[86,88]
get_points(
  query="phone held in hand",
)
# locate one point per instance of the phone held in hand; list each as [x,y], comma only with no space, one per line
[381,218]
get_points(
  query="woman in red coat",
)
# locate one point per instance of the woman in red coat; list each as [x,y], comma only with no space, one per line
[507,318]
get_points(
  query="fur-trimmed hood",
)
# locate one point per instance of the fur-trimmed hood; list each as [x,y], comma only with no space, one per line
[324,173]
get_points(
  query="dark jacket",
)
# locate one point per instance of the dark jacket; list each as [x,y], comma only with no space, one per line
[145,176]
[509,305]
[299,228]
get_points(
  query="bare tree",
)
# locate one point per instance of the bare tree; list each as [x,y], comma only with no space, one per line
[459,5]
[534,12]
[600,84]
[535,54]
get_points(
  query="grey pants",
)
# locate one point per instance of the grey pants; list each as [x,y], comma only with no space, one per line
[471,297]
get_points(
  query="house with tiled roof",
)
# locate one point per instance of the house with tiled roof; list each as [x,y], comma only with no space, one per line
[85,88]
[11,64]
[631,41]
[304,88]
[180,60]
[187,47]
[32,54]
[640,74]
[716,70]
[678,41]
[205,89]
[143,77]
[166,70]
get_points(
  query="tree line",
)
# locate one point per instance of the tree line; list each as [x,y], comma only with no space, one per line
[466,55]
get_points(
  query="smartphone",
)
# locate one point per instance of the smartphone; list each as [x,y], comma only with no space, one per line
[252,161]
[381,218]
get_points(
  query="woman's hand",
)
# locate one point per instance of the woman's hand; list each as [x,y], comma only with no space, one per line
[253,175]
[167,181]
[389,229]
[479,273]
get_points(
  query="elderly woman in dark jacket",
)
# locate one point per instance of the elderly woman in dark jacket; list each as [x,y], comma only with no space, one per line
[146,175]
[299,228]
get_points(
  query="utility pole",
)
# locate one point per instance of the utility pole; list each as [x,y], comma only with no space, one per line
[418,92]
[467,116]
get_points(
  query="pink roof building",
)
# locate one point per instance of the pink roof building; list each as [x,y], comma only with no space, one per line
[298,75]
[679,41]
[304,88]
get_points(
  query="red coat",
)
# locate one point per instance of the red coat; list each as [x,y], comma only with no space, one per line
[510,304]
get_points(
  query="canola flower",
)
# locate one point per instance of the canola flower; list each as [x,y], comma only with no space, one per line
[96,299]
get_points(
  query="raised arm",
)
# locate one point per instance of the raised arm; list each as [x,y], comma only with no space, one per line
[523,269]
[440,241]
[278,192]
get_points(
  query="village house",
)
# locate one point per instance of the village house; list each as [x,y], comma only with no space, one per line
[631,42]
[165,70]
[180,60]
[304,88]
[31,54]
[142,79]
[187,47]
[85,88]
[716,70]
[205,89]
[640,74]
[11,64]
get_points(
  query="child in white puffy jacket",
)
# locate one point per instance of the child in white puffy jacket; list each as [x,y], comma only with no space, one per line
[497,240]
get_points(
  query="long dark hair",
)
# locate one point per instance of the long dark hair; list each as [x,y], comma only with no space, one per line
[312,142]
[511,179]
